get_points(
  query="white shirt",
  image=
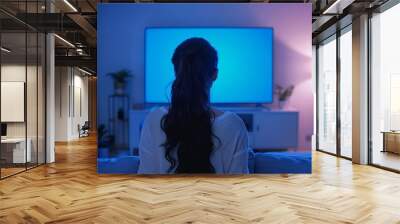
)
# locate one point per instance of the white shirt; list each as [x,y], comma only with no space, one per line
[230,155]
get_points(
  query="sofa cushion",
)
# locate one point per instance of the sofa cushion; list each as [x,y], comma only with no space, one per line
[268,162]
[120,165]
[283,162]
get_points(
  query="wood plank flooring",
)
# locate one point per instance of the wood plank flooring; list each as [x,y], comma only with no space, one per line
[10,171]
[387,159]
[70,191]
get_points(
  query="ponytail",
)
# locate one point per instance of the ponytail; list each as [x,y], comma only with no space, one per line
[188,123]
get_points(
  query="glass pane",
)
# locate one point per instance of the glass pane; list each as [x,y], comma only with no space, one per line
[31,97]
[346,94]
[385,114]
[22,89]
[32,85]
[41,98]
[327,96]
[13,86]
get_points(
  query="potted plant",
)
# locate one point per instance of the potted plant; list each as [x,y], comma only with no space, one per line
[120,80]
[283,94]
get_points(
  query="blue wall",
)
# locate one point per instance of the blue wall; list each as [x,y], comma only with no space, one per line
[121,37]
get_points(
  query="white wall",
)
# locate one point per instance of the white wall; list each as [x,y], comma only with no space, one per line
[79,117]
[33,126]
[17,72]
[70,83]
[12,73]
[61,103]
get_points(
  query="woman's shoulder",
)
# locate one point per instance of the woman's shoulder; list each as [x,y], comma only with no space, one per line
[156,114]
[156,111]
[230,121]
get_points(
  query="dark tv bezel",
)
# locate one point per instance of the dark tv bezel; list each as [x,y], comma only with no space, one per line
[223,104]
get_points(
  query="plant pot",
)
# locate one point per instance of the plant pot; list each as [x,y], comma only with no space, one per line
[119,88]
[119,91]
[282,104]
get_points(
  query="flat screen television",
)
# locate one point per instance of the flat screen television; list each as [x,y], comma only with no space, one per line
[245,62]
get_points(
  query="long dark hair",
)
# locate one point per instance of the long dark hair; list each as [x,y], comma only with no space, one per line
[188,123]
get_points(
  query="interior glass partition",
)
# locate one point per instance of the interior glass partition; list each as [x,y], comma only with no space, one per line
[32,96]
[385,89]
[14,145]
[22,78]
[41,97]
[327,95]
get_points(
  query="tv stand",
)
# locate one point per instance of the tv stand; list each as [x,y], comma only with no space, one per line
[239,109]
[267,129]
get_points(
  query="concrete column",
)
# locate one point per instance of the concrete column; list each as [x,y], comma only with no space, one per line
[63,76]
[50,110]
[360,90]
[50,92]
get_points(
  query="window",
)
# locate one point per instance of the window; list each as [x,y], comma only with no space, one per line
[385,89]
[335,74]
[327,96]
[346,93]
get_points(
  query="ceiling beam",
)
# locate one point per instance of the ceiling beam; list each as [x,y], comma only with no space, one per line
[337,7]
[86,26]
[83,61]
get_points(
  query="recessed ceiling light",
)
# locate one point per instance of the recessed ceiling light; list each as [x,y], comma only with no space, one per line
[5,50]
[64,40]
[337,7]
[84,71]
[70,5]
[328,10]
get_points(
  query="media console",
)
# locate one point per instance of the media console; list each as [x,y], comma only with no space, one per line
[268,129]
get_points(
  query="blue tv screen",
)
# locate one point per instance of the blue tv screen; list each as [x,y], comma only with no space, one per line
[245,59]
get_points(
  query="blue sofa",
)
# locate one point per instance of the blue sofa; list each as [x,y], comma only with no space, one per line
[259,162]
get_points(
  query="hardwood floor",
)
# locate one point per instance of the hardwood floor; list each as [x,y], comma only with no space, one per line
[5,172]
[70,191]
[387,159]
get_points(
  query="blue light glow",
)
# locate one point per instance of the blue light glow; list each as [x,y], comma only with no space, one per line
[245,63]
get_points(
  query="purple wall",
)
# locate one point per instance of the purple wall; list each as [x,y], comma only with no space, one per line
[121,38]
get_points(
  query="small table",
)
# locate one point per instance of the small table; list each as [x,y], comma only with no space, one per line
[16,147]
[391,141]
